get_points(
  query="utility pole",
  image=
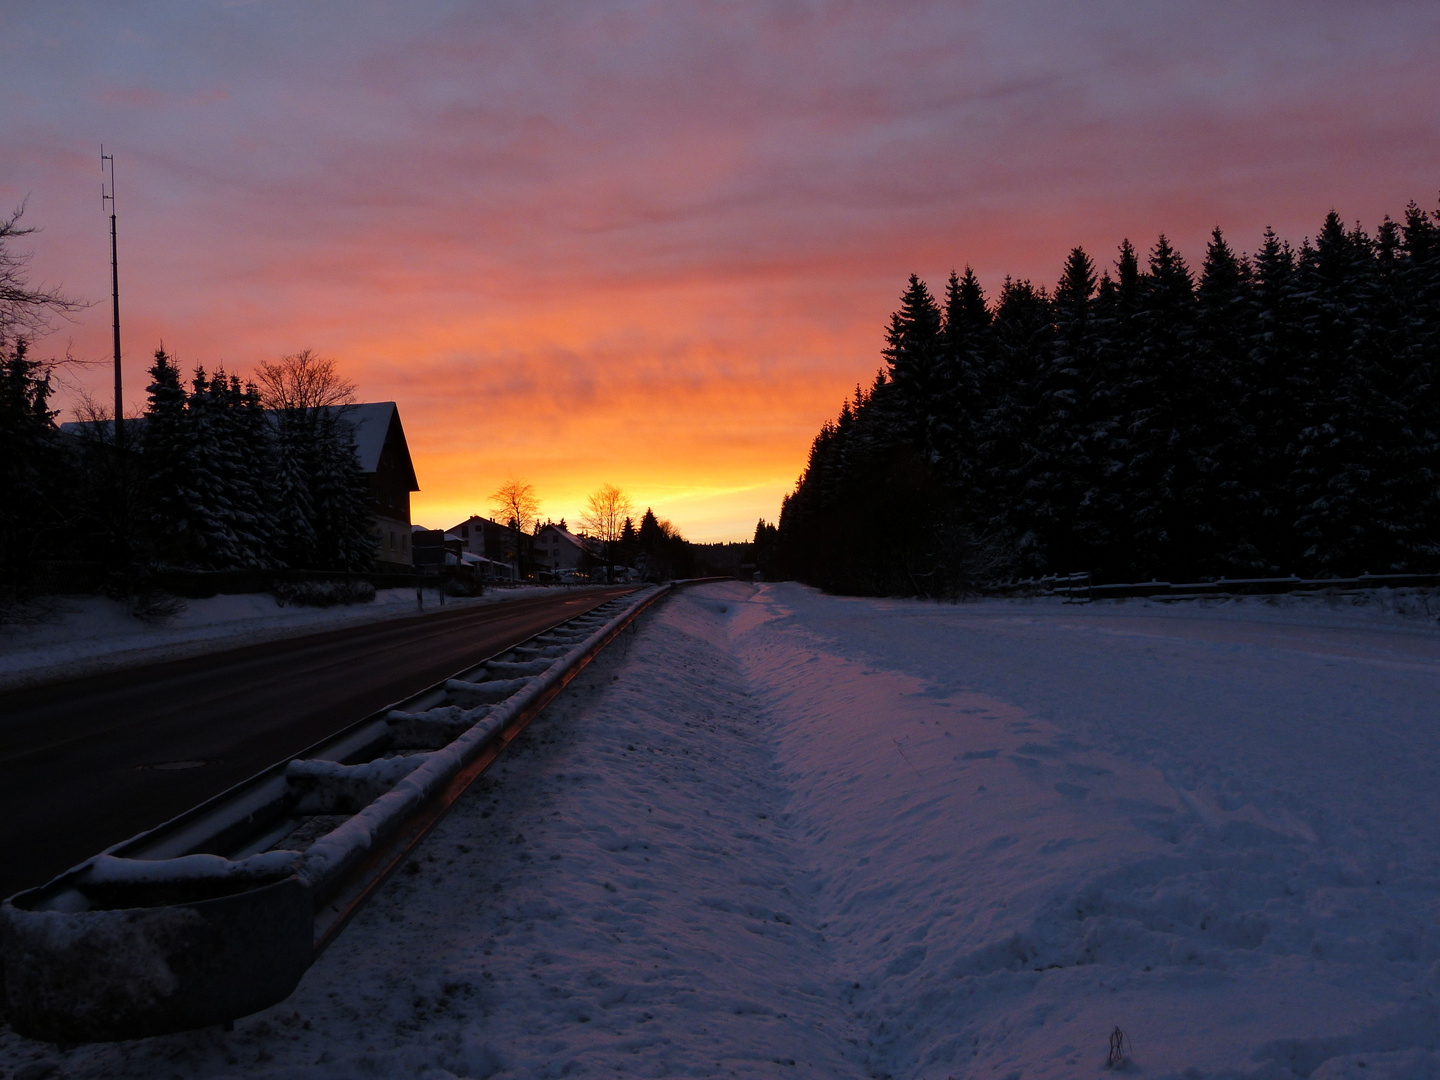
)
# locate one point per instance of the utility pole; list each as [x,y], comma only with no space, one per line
[114,291]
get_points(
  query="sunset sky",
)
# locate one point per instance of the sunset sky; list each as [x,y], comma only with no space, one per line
[656,244]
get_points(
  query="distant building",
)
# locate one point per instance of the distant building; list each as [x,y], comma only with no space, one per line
[487,545]
[483,537]
[559,549]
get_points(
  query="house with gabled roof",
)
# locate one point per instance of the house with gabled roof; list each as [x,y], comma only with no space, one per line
[385,459]
[557,548]
[492,543]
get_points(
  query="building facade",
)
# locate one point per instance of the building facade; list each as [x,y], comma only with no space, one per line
[491,542]
[559,549]
[385,459]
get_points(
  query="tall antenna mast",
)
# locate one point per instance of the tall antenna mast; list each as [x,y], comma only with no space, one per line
[114,289]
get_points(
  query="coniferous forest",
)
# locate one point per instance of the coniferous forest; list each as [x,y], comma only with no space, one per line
[1266,415]
[210,480]
[229,485]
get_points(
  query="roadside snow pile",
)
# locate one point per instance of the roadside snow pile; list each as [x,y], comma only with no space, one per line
[323,593]
[1039,824]
[784,834]
[69,636]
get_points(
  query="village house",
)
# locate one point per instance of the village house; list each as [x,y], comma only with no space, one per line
[488,541]
[481,536]
[385,459]
[557,549]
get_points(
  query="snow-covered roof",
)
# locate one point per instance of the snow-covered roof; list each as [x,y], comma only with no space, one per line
[371,422]
[582,542]
[104,430]
[484,521]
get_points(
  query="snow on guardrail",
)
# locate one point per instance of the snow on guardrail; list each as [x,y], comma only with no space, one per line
[213,915]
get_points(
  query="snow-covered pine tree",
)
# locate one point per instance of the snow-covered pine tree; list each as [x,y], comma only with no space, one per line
[1161,420]
[862,517]
[344,530]
[32,465]
[168,453]
[912,350]
[1384,428]
[889,508]
[236,476]
[1225,488]
[965,349]
[290,489]
[1271,405]
[1113,327]
[1331,472]
[1059,474]
[214,545]
[1418,285]
[257,460]
[1023,333]
[248,460]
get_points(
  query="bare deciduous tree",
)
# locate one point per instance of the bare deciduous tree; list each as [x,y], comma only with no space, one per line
[302,381]
[604,518]
[516,506]
[605,513]
[25,311]
[94,414]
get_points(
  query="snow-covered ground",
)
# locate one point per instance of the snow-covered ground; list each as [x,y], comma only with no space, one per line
[783,834]
[70,636]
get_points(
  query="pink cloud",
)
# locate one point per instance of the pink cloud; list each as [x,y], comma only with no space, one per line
[131,97]
[655,240]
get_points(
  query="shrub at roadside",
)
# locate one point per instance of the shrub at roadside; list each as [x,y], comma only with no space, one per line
[323,593]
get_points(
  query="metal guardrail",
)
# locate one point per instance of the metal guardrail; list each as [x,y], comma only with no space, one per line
[218,913]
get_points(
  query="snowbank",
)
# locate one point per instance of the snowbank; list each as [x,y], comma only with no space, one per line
[784,834]
[71,636]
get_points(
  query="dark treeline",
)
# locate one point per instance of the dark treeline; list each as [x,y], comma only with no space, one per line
[31,463]
[209,479]
[1274,414]
[655,548]
[230,485]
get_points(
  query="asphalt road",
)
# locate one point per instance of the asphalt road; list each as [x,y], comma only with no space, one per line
[88,763]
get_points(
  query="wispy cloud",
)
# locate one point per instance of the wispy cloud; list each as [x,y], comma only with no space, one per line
[656,243]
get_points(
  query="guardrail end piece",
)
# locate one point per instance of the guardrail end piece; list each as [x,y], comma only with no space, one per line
[124,973]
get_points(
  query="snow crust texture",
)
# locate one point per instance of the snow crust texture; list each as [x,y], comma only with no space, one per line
[779,834]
